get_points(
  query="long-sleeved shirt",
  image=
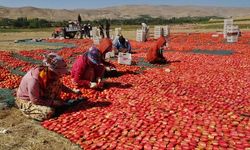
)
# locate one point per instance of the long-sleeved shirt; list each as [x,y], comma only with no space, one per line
[83,73]
[119,46]
[155,53]
[30,89]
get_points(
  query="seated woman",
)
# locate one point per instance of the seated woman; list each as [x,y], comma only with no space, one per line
[39,91]
[155,53]
[121,44]
[87,70]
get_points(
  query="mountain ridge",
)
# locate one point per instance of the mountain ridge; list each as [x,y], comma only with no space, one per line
[124,11]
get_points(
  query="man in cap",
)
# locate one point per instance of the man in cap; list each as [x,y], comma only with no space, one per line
[39,91]
[145,30]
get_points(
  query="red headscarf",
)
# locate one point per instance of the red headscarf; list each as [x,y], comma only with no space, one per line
[160,42]
[104,45]
[152,54]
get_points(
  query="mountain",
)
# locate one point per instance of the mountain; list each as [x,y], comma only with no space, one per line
[125,11]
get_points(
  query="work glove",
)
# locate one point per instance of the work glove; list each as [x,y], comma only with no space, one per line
[73,102]
[93,85]
[76,91]
[70,102]
[107,68]
[112,68]
[58,103]
[99,80]
[99,83]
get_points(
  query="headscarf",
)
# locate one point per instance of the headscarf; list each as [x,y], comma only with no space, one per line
[160,42]
[55,63]
[104,45]
[153,52]
[94,55]
[122,40]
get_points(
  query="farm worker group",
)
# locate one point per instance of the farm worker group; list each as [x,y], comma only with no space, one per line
[38,94]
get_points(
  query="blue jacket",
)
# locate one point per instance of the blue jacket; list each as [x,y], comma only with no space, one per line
[119,46]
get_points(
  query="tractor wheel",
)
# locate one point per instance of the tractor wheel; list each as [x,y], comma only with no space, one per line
[79,35]
[53,35]
[71,35]
[63,34]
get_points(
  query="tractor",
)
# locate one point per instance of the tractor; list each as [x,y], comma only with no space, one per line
[72,30]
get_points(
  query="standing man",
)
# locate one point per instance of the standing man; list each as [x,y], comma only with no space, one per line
[107,28]
[145,30]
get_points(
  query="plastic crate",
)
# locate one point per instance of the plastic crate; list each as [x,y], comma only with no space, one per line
[124,58]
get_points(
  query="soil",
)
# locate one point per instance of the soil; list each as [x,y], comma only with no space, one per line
[18,132]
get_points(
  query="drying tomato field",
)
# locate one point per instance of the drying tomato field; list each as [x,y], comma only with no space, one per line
[195,101]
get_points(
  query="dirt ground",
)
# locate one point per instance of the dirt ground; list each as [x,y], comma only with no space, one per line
[26,134]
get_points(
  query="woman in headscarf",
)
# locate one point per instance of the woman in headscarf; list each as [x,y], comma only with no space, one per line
[155,53]
[105,46]
[39,91]
[87,70]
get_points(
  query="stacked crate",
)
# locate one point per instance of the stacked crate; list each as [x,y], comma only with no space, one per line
[140,36]
[161,30]
[105,33]
[96,40]
[227,24]
[95,37]
[94,32]
[118,31]
[232,34]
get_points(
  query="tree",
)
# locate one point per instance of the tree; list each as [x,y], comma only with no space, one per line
[21,22]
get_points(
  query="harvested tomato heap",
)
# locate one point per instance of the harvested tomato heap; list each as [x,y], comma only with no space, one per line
[35,54]
[8,80]
[7,60]
[202,102]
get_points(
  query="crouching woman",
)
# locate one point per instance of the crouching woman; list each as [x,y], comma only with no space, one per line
[39,91]
[155,53]
[87,70]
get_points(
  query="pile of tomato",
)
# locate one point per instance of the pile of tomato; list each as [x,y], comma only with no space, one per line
[8,80]
[7,60]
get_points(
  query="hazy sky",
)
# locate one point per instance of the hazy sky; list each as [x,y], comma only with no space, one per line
[72,4]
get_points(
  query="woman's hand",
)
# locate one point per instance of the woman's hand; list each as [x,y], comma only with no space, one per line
[76,91]
[58,103]
[93,85]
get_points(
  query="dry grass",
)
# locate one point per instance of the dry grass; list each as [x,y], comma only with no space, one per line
[7,40]
[25,134]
